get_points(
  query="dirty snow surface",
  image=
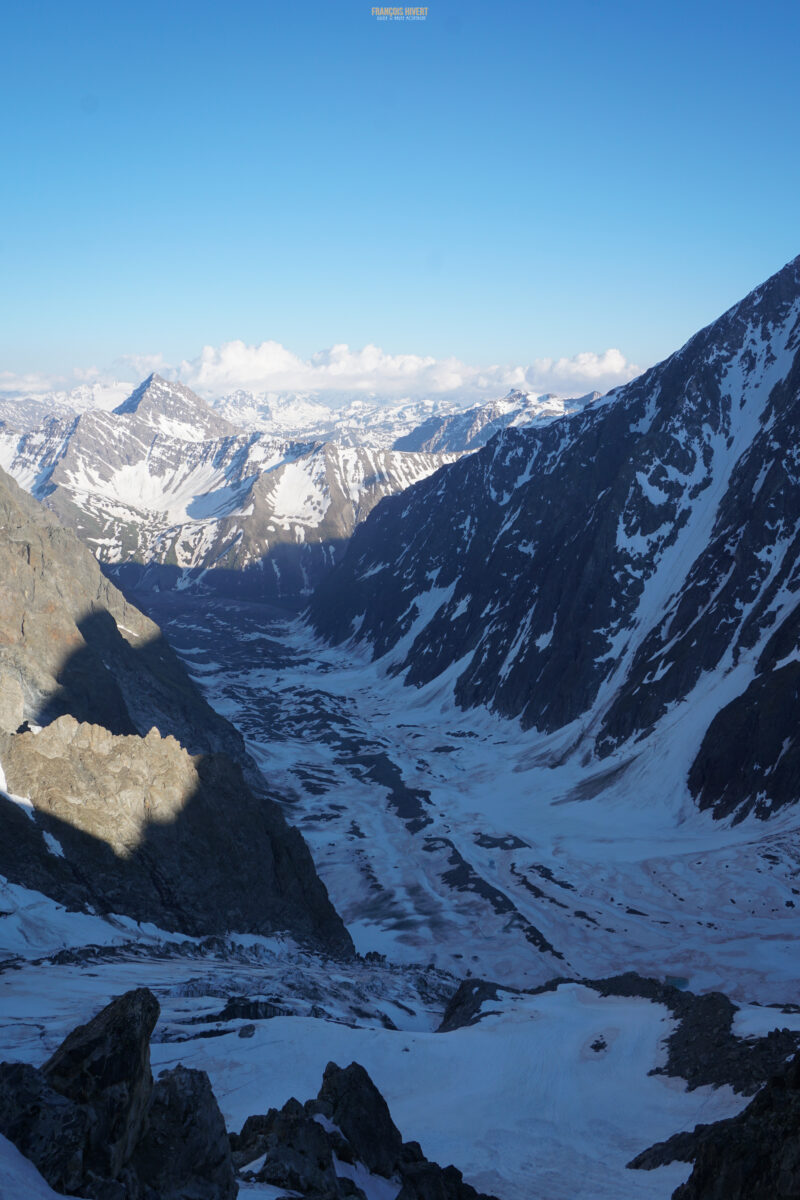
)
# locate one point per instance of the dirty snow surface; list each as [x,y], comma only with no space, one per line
[455,845]
[548,1096]
[455,838]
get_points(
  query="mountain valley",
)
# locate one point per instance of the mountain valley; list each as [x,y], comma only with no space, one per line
[471,758]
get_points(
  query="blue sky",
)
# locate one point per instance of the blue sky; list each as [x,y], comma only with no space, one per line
[499,183]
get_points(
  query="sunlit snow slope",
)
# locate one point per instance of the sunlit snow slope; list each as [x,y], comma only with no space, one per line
[172,490]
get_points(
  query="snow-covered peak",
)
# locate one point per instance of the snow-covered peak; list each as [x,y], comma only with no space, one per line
[174,410]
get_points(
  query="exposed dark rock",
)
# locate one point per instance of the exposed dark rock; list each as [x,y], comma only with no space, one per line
[681,1147]
[243,1009]
[48,1128]
[427,1181]
[751,747]
[349,1099]
[754,1156]
[185,1153]
[349,1122]
[464,1006]
[95,1126]
[251,1141]
[703,1049]
[298,1152]
[105,1067]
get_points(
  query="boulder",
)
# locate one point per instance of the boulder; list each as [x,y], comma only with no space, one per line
[185,1153]
[105,1067]
[350,1099]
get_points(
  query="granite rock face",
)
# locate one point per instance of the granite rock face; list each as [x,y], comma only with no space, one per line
[140,795]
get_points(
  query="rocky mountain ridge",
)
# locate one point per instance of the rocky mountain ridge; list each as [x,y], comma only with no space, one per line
[464,432]
[591,576]
[171,489]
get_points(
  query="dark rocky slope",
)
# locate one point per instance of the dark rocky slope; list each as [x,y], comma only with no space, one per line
[753,1156]
[599,570]
[177,826]
[95,1124]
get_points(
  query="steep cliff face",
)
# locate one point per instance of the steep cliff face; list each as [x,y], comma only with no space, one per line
[175,827]
[630,558]
[70,642]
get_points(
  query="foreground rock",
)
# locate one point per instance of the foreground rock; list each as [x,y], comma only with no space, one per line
[185,1150]
[46,1127]
[94,1124]
[339,1144]
[754,1156]
[104,1067]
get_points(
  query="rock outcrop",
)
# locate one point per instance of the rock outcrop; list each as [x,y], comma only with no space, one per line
[95,1125]
[139,826]
[141,797]
[104,1067]
[754,1156]
[186,1140]
[326,1148]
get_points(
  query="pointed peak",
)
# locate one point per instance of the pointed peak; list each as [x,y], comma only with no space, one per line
[172,409]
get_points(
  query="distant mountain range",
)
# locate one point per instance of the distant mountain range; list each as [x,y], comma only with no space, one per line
[175,492]
[171,492]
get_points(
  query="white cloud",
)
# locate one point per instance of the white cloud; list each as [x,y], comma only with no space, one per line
[29,384]
[332,374]
[270,367]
